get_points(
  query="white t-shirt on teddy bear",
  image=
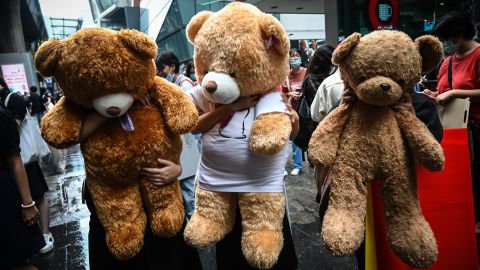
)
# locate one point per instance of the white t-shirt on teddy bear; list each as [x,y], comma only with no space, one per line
[226,163]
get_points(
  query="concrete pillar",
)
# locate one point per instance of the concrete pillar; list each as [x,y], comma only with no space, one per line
[11,31]
[331,22]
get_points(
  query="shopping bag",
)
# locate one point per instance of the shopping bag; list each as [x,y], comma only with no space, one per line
[32,145]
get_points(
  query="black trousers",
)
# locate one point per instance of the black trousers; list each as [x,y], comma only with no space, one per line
[157,253]
[230,255]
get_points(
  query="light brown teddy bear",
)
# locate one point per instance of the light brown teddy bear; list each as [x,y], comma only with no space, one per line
[240,51]
[107,70]
[367,140]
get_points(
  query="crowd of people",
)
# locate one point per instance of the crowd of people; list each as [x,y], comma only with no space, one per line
[312,88]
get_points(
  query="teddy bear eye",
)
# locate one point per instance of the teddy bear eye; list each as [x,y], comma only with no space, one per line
[361,78]
[233,75]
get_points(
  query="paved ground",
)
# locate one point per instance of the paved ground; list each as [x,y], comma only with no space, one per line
[69,220]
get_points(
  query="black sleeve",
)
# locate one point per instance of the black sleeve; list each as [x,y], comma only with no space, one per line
[17,106]
[426,111]
[9,136]
[309,89]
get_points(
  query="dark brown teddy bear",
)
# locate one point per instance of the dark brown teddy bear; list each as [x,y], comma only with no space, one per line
[367,140]
[107,70]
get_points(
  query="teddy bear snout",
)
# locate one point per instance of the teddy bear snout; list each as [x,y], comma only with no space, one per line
[211,87]
[114,111]
[219,87]
[385,86]
[113,105]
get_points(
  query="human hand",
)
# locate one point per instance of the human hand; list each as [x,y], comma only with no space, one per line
[30,215]
[295,95]
[430,94]
[164,174]
[293,114]
[403,104]
[348,95]
[243,103]
[444,97]
[145,100]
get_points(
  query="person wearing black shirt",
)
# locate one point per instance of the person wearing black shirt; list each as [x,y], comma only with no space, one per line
[36,180]
[21,237]
[37,105]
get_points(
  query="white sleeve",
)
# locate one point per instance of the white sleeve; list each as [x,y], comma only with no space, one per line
[202,104]
[332,95]
[315,107]
[271,102]
[186,85]
[320,110]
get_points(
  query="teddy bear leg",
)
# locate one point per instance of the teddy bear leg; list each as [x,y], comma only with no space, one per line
[343,226]
[262,217]
[213,218]
[164,207]
[408,233]
[121,213]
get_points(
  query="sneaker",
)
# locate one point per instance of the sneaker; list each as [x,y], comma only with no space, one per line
[285,173]
[49,243]
[295,171]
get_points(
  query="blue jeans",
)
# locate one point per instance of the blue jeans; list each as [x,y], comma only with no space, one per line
[188,194]
[297,157]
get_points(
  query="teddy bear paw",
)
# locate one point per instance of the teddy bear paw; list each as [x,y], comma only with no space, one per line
[202,232]
[125,240]
[262,248]
[342,233]
[416,246]
[167,222]
[266,146]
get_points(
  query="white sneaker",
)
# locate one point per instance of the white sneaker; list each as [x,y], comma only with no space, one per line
[285,173]
[48,243]
[295,171]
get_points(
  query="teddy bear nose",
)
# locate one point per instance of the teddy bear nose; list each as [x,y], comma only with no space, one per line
[113,111]
[385,86]
[211,87]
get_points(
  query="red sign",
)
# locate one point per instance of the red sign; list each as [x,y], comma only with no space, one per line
[383,14]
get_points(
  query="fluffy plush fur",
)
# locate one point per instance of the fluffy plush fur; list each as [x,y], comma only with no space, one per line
[93,63]
[367,140]
[251,47]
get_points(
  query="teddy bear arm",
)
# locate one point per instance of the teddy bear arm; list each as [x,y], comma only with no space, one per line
[180,113]
[62,125]
[323,145]
[270,133]
[420,141]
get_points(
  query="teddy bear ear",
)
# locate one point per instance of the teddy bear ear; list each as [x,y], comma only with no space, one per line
[275,36]
[196,23]
[431,51]
[138,42]
[47,56]
[344,48]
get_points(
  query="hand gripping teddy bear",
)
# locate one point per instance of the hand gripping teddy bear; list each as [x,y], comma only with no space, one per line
[240,51]
[106,70]
[367,140]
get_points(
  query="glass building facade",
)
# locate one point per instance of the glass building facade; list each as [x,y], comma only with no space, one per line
[172,35]
[413,17]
